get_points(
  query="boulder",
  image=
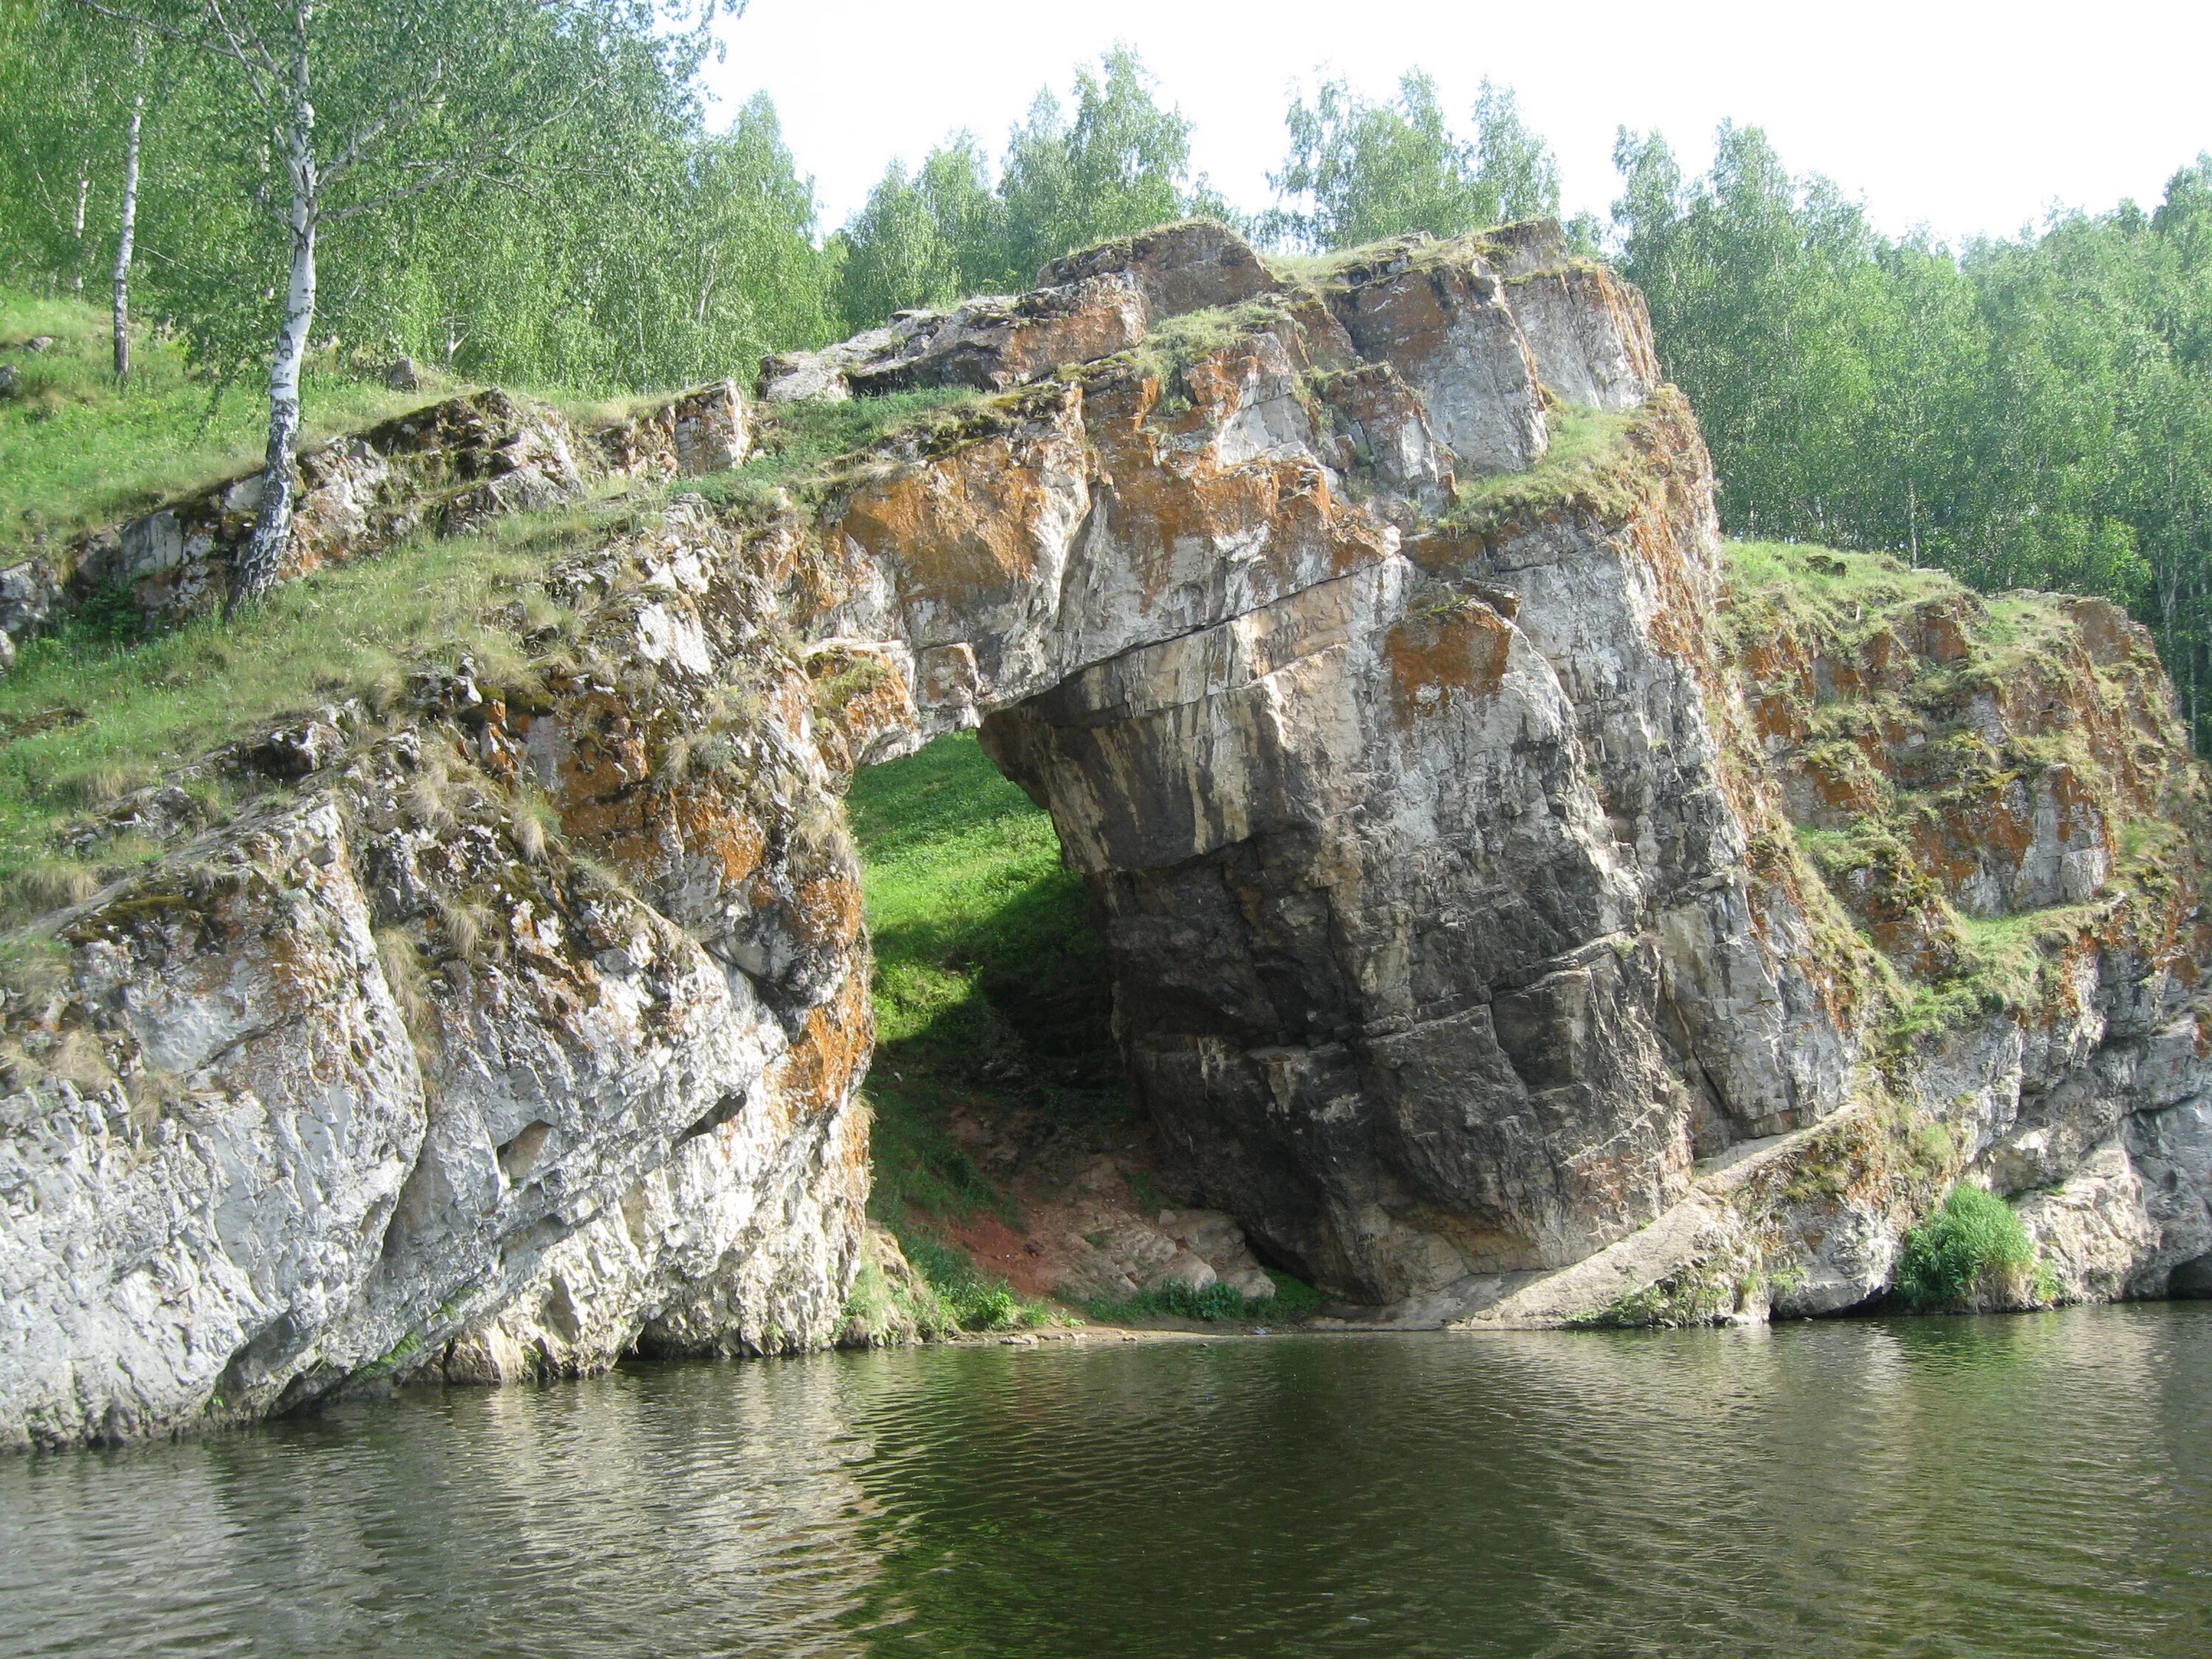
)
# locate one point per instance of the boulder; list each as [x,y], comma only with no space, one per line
[1193,265]
[995,344]
[1443,324]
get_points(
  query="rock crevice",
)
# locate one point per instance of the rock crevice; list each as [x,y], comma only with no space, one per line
[1520,908]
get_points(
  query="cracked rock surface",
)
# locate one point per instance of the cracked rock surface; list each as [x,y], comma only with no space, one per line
[1517,916]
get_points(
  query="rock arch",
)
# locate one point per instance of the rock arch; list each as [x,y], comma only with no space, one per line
[1359,629]
[1408,821]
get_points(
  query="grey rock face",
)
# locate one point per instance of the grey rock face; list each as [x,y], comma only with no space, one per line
[1445,327]
[383,1078]
[1464,949]
[1191,266]
[1588,334]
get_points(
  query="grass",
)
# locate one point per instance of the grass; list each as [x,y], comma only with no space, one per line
[799,443]
[1824,593]
[1814,602]
[987,967]
[1293,1300]
[970,1299]
[990,991]
[76,451]
[1971,1253]
[86,716]
[1584,463]
[1174,343]
[1694,1296]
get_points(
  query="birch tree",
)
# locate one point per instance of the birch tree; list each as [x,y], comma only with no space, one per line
[126,234]
[1358,171]
[335,109]
[60,81]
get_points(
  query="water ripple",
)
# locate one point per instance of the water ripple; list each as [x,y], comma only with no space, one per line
[1955,1487]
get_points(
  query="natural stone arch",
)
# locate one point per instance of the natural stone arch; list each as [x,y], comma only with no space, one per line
[1358,630]
[1404,823]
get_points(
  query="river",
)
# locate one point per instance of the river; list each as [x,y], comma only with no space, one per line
[2037,1484]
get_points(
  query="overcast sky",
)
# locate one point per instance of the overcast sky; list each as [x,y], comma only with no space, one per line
[1968,117]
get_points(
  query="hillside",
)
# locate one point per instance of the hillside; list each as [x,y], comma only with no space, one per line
[1507,903]
[76,453]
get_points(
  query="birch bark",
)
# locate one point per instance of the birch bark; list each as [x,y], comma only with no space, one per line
[128,234]
[262,559]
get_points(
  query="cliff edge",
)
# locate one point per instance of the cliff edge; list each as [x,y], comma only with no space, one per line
[1522,909]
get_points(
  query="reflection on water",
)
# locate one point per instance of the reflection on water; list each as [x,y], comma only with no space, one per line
[2038,1485]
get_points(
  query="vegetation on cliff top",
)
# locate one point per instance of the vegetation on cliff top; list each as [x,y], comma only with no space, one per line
[2033,411]
[76,451]
[96,711]
[1907,760]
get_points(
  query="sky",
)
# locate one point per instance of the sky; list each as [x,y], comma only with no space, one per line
[1966,118]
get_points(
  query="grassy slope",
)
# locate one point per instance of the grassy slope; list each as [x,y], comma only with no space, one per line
[84,719]
[1820,593]
[76,453]
[990,983]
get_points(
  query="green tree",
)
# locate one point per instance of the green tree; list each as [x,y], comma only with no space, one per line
[1117,166]
[68,84]
[2026,412]
[331,110]
[1358,171]
[925,240]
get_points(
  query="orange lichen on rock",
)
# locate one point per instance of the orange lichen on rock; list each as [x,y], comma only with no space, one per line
[817,1073]
[1459,652]
[968,527]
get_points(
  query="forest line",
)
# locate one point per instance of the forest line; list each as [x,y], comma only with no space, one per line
[533,195]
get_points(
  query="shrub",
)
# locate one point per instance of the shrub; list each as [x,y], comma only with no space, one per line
[974,1300]
[1292,1299]
[1971,1253]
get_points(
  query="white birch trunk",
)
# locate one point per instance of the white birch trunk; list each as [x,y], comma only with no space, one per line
[83,191]
[260,564]
[123,241]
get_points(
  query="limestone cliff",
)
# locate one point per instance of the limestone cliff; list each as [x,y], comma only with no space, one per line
[1516,914]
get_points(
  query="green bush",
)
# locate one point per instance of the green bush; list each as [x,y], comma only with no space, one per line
[1216,1303]
[1971,1253]
[976,1301]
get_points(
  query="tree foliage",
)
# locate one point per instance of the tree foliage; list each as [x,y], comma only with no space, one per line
[2033,411]
[1358,171]
[1119,162]
[607,240]
[2025,412]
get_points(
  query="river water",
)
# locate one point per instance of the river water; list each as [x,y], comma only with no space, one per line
[2038,1485]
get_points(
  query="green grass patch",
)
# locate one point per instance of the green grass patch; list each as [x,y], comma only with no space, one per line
[990,987]
[875,1306]
[1841,599]
[798,447]
[85,717]
[76,451]
[1586,464]
[1971,1253]
[2000,970]
[988,965]
[972,1300]
[1174,343]
[1293,1300]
